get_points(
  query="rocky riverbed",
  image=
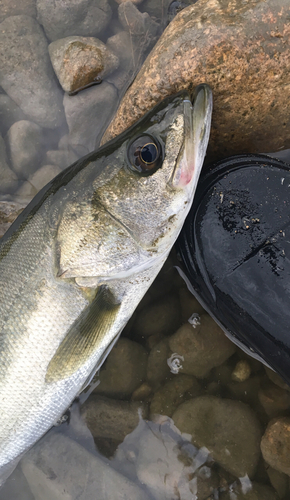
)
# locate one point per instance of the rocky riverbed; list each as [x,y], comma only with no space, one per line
[179,412]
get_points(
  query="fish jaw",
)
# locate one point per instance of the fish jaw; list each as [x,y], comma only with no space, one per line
[197,117]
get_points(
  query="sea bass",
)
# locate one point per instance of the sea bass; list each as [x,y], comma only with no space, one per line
[80,257]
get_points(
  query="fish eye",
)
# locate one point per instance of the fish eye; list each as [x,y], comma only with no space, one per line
[145,154]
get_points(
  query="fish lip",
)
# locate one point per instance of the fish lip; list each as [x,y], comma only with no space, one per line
[197,121]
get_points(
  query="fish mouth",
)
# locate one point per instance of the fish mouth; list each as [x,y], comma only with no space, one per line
[197,122]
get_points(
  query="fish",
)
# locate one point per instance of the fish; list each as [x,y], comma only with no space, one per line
[80,257]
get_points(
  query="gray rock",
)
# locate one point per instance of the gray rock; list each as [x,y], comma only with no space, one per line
[26,191]
[87,114]
[162,317]
[228,429]
[202,347]
[157,367]
[8,177]
[124,370]
[135,22]
[172,468]
[172,394]
[113,419]
[16,487]
[122,45]
[61,18]
[9,113]
[58,468]
[15,7]
[62,158]
[26,73]
[25,144]
[78,60]
[44,175]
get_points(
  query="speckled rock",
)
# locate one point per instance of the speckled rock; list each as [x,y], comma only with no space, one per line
[228,429]
[25,143]
[62,158]
[44,175]
[242,50]
[87,114]
[78,60]
[61,18]
[254,492]
[26,73]
[15,7]
[9,113]
[157,367]
[124,370]
[172,468]
[114,419]
[59,468]
[275,444]
[7,176]
[161,316]
[171,395]
[274,399]
[202,347]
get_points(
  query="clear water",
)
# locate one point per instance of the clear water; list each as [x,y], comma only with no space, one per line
[155,460]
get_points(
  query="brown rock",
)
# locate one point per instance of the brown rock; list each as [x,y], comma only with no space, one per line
[77,60]
[228,429]
[275,444]
[242,50]
[201,347]
[274,399]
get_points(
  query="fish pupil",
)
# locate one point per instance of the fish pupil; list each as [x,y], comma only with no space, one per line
[149,153]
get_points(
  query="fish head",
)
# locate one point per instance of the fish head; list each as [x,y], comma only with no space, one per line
[143,192]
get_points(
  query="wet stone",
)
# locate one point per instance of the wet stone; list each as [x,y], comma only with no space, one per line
[202,347]
[59,468]
[113,419]
[162,316]
[157,367]
[83,112]
[279,481]
[25,143]
[172,468]
[26,73]
[62,18]
[241,50]
[7,176]
[135,22]
[228,429]
[254,491]
[62,158]
[44,175]
[274,399]
[16,487]
[15,7]
[242,371]
[9,113]
[78,60]
[26,191]
[172,394]
[142,392]
[275,444]
[124,370]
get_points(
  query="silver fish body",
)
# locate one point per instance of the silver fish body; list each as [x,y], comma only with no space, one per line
[78,260]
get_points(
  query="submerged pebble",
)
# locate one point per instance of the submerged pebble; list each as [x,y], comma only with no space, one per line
[228,429]
[78,60]
[25,143]
[275,444]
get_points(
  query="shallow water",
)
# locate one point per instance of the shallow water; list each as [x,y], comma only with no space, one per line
[122,442]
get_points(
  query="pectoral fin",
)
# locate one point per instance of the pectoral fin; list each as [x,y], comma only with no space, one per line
[84,336]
